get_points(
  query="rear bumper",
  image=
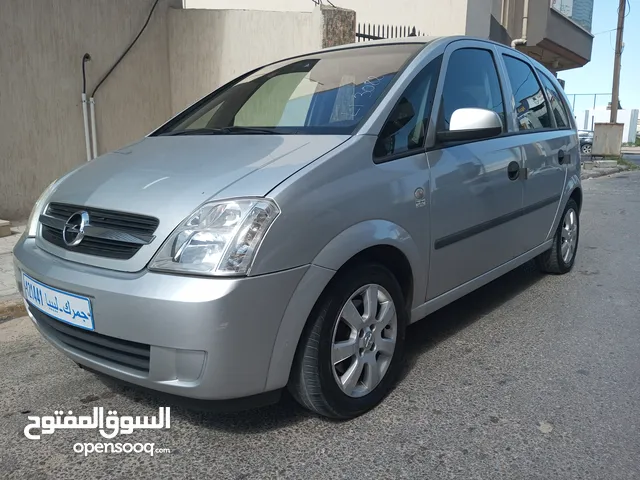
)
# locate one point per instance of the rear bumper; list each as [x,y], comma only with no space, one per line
[207,338]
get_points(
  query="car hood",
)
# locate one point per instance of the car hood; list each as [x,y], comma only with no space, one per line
[169,177]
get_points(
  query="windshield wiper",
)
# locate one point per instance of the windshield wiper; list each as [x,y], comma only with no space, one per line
[222,131]
[258,130]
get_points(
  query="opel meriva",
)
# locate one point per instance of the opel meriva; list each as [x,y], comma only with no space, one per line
[283,231]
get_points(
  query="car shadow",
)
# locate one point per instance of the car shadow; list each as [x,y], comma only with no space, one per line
[421,338]
[446,322]
[208,415]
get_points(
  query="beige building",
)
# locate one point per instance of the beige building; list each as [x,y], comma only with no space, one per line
[189,48]
[553,32]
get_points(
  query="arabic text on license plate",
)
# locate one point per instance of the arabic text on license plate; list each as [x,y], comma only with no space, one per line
[66,307]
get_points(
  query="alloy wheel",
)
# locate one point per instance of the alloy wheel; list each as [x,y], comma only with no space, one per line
[569,235]
[364,340]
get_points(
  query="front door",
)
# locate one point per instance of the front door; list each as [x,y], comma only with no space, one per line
[475,197]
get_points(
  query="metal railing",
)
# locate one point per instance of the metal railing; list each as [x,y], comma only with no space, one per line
[368,31]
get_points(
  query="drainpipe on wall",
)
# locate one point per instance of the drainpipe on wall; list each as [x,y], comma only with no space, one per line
[525,25]
[94,135]
[86,58]
[93,94]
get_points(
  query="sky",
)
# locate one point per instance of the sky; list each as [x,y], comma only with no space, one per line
[597,75]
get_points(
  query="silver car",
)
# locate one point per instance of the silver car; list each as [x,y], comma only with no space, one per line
[285,230]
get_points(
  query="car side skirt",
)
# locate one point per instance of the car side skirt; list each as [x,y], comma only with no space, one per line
[437,303]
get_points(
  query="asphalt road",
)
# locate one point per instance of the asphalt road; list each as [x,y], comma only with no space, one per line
[531,377]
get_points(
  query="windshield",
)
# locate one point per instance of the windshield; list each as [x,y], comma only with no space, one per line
[323,93]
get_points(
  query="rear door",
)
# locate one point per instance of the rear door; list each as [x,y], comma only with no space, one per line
[549,144]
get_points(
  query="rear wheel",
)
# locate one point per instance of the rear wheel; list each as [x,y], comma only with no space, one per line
[586,149]
[561,257]
[350,353]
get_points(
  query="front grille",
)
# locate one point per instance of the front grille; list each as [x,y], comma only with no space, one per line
[92,246]
[119,352]
[100,247]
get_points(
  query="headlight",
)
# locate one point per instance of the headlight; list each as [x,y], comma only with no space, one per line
[34,217]
[220,238]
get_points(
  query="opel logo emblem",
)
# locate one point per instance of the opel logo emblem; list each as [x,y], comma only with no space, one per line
[73,231]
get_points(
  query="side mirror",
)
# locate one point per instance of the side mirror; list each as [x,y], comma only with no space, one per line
[471,124]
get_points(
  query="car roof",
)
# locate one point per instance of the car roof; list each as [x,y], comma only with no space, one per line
[383,41]
[426,41]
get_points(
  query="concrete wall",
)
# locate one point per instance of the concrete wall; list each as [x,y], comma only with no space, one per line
[432,17]
[264,5]
[338,26]
[207,48]
[553,39]
[607,139]
[565,32]
[628,118]
[41,47]
[479,13]
[182,55]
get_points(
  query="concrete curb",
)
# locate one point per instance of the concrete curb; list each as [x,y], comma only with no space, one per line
[11,307]
[601,172]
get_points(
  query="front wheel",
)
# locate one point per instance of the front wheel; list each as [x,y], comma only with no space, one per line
[586,149]
[561,257]
[350,354]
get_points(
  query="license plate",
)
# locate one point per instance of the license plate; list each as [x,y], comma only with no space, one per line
[63,306]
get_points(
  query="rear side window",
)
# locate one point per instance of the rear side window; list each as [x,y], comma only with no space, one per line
[531,107]
[406,127]
[471,82]
[555,101]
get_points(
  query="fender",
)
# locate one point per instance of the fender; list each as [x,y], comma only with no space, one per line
[334,255]
[372,233]
[570,185]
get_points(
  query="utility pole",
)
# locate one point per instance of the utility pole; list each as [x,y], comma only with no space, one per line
[615,95]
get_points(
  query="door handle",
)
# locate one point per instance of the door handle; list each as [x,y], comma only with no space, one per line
[513,170]
[561,157]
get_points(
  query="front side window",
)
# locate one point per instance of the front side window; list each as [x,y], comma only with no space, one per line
[555,102]
[407,125]
[530,104]
[328,92]
[471,82]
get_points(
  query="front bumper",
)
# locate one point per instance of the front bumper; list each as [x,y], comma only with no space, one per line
[208,338]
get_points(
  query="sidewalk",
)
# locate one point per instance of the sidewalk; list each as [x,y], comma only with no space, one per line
[10,300]
[631,150]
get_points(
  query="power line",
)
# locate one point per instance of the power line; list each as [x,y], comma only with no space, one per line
[605,31]
[155,4]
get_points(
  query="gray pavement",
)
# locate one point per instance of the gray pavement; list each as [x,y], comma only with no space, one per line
[7,279]
[531,377]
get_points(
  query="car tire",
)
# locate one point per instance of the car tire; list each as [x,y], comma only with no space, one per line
[323,383]
[586,149]
[561,257]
